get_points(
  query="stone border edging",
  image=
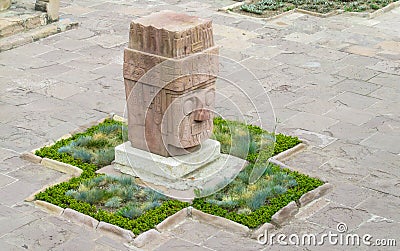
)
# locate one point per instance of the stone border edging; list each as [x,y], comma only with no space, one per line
[61,167]
[31,157]
[288,212]
[370,15]
[220,222]
[86,220]
[49,207]
[321,15]
[261,230]
[315,194]
[79,217]
[173,220]
[119,118]
[291,151]
[285,13]
[227,8]
[115,230]
[279,218]
[146,238]
[285,214]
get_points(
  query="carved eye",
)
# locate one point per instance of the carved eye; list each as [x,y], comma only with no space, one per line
[210,96]
[188,106]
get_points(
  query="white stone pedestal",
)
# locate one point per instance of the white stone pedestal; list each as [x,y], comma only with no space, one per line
[167,167]
[181,175]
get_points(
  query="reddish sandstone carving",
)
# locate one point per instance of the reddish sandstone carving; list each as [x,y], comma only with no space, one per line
[170,70]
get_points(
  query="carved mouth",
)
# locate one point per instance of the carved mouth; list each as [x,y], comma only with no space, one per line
[199,127]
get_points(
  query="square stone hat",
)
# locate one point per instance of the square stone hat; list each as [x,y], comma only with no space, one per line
[170,34]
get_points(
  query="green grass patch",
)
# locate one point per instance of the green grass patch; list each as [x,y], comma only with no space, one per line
[262,188]
[120,201]
[246,141]
[262,214]
[266,8]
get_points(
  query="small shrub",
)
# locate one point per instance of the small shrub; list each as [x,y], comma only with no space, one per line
[114,189]
[131,211]
[257,200]
[108,129]
[126,180]
[278,189]
[81,154]
[113,202]
[127,193]
[151,205]
[82,141]
[104,157]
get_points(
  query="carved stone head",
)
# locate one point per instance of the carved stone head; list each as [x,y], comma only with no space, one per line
[170,71]
[189,120]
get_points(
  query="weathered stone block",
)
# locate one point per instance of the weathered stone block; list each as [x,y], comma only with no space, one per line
[61,167]
[314,194]
[31,157]
[49,207]
[146,238]
[172,221]
[284,214]
[113,229]
[78,217]
[220,222]
[53,10]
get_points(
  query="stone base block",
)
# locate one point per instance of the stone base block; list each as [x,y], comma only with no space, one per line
[181,176]
[167,167]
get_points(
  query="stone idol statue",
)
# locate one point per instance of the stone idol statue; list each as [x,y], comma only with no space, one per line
[170,69]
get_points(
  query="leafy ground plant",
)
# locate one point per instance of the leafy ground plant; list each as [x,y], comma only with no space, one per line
[97,148]
[119,194]
[120,201]
[260,214]
[266,8]
[246,141]
[71,193]
[242,197]
[262,188]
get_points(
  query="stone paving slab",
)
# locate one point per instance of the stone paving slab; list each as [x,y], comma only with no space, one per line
[336,77]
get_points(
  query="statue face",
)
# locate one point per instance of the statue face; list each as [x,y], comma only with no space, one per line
[189,118]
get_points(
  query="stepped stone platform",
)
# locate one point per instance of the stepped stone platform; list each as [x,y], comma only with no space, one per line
[179,176]
[27,21]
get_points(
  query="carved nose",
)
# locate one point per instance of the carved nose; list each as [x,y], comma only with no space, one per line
[201,115]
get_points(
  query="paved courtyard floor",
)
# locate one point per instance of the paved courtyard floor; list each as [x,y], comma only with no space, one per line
[333,81]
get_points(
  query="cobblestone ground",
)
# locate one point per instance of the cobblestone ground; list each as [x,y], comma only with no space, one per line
[332,81]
